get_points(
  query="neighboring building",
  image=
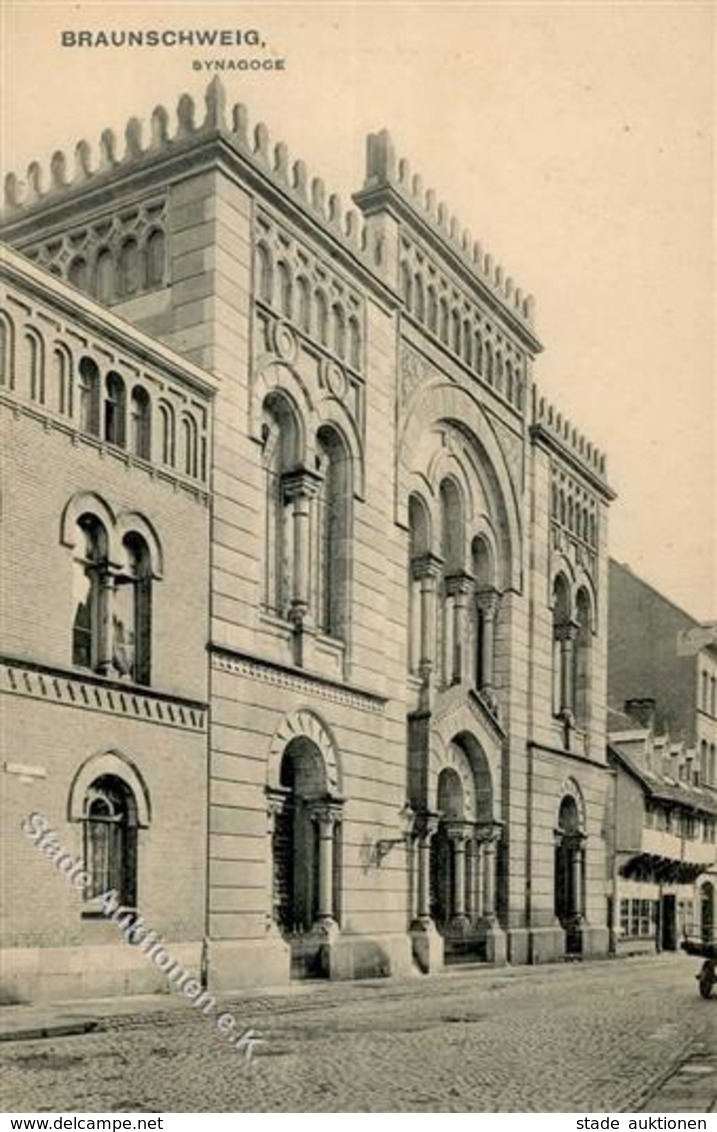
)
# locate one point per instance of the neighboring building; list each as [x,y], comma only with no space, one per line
[665,857]
[103,673]
[658,651]
[405,621]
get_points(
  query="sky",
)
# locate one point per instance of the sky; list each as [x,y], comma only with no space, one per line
[575,140]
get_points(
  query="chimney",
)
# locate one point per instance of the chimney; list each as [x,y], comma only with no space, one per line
[643,710]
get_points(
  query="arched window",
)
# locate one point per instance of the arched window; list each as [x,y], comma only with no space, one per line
[78,273]
[110,840]
[155,254]
[132,612]
[419,302]
[488,362]
[167,433]
[7,351]
[443,321]
[452,553]
[332,532]
[456,331]
[35,348]
[62,367]
[285,289]
[467,343]
[129,268]
[339,330]
[419,544]
[432,318]
[354,343]
[581,659]
[304,292]
[279,457]
[115,410]
[140,423]
[265,274]
[88,389]
[104,276]
[562,629]
[90,595]
[712,769]
[190,446]
[498,370]
[487,601]
[569,874]
[704,761]
[322,318]
[406,285]
[509,379]
[478,353]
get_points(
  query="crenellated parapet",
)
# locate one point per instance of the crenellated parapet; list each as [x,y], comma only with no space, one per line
[386,171]
[69,176]
[553,426]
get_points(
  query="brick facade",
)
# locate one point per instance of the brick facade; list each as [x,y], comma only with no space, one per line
[395,778]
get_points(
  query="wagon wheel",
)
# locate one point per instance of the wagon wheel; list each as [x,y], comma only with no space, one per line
[707,978]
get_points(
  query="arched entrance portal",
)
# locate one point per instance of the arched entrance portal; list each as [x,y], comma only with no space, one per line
[463,855]
[569,873]
[305,828]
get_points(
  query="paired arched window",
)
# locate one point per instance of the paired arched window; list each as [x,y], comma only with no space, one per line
[132,612]
[354,343]
[279,457]
[128,269]
[285,289]
[88,391]
[338,323]
[452,543]
[110,840]
[304,292]
[155,258]
[112,602]
[104,276]
[62,366]
[265,284]
[167,424]
[419,543]
[432,311]
[190,445]
[572,649]
[419,301]
[89,595]
[332,532]
[35,353]
[78,273]
[115,410]
[322,318]
[140,423]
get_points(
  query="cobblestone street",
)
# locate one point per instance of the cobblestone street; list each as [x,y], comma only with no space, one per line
[592,1037]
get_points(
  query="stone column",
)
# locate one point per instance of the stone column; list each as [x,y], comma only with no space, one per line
[427,569]
[105,600]
[488,927]
[427,825]
[576,863]
[489,858]
[458,833]
[566,634]
[276,800]
[471,862]
[487,604]
[299,488]
[325,816]
[458,586]
[478,877]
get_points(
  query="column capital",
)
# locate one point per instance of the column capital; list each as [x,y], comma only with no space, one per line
[488,601]
[489,833]
[327,812]
[426,824]
[426,565]
[301,483]
[566,631]
[459,831]
[459,583]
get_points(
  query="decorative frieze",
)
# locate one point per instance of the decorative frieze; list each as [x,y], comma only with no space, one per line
[278,677]
[108,697]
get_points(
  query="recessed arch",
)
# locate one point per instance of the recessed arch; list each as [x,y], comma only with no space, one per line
[304,724]
[444,402]
[117,764]
[281,379]
[88,502]
[131,522]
